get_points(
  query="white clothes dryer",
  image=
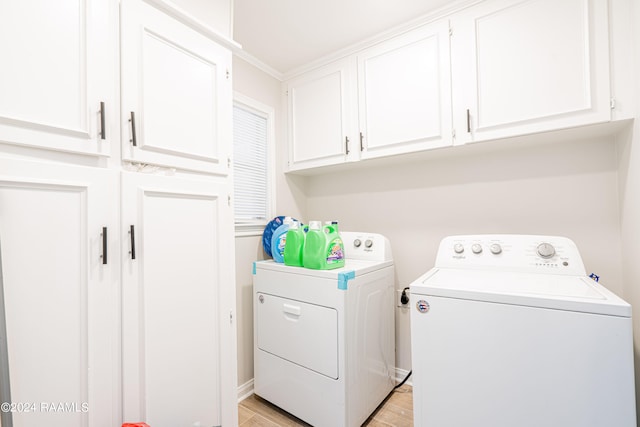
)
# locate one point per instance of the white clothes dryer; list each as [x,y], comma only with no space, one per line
[324,340]
[508,330]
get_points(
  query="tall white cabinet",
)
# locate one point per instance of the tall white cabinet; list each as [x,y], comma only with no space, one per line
[178,296]
[117,251]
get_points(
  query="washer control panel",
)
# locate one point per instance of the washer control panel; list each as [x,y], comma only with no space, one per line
[545,250]
[510,252]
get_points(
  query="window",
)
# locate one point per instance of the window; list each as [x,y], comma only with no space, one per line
[252,142]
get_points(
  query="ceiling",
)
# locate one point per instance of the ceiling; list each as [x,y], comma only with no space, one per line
[287,34]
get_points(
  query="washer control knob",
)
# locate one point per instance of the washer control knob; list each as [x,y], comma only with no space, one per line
[546,250]
[476,248]
[458,248]
[357,243]
[495,248]
[368,243]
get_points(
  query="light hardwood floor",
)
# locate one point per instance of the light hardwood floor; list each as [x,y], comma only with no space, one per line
[395,411]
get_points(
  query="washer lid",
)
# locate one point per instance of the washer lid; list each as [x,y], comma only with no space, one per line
[575,293]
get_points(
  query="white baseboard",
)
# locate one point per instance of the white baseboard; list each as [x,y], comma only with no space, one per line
[246,389]
[401,374]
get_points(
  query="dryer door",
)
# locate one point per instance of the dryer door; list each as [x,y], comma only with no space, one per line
[302,333]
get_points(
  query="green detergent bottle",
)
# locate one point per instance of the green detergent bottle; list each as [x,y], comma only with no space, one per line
[334,251]
[312,250]
[295,244]
[323,248]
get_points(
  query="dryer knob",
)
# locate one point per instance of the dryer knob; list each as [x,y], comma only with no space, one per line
[458,248]
[496,249]
[546,250]
[357,243]
[476,248]
[368,243]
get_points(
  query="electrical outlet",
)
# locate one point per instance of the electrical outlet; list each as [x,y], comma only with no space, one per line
[399,298]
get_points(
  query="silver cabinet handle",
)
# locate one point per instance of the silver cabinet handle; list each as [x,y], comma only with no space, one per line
[102,122]
[132,120]
[104,245]
[133,242]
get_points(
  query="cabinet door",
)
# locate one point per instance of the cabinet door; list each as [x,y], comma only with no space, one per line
[529,66]
[61,293]
[176,93]
[404,93]
[320,115]
[179,348]
[58,65]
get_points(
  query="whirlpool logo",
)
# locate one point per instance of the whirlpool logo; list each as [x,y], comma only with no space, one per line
[422,306]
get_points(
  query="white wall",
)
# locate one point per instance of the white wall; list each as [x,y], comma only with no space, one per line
[290,200]
[629,172]
[568,189]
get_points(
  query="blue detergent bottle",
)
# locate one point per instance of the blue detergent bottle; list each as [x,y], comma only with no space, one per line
[279,240]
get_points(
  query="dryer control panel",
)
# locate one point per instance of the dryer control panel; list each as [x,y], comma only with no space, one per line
[366,246]
[511,252]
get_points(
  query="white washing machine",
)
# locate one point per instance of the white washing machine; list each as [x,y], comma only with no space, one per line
[508,330]
[324,340]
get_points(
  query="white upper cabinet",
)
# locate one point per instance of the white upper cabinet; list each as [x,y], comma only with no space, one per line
[497,69]
[404,93]
[58,66]
[529,66]
[392,98]
[320,112]
[176,92]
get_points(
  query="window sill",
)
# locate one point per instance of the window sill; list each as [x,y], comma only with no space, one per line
[249,230]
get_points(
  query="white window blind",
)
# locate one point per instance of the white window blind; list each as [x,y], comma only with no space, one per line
[251,174]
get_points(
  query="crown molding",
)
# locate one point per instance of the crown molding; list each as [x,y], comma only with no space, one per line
[247,57]
[435,15]
[181,15]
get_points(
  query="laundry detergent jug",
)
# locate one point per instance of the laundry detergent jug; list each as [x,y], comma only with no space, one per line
[323,247]
[279,239]
[294,245]
[334,249]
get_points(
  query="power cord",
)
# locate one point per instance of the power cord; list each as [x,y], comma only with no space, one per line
[404,298]
[404,380]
